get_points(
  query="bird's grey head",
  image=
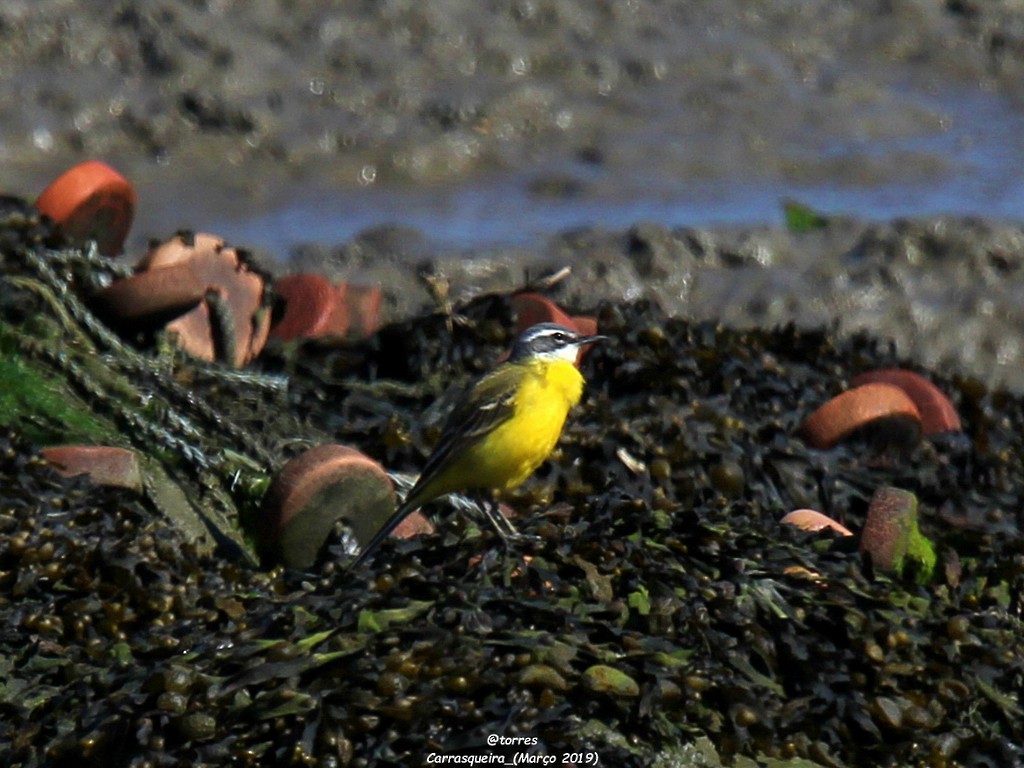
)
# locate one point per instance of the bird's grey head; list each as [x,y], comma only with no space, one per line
[549,341]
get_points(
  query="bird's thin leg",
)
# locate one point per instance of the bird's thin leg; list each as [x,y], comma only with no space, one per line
[503,525]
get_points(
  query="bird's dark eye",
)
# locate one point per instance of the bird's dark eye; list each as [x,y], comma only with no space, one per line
[559,337]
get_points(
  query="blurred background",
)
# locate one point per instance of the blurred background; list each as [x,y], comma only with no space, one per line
[648,144]
[482,123]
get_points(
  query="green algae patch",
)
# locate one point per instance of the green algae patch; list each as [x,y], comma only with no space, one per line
[39,404]
[801,218]
[601,678]
[542,676]
[893,538]
[378,621]
[920,558]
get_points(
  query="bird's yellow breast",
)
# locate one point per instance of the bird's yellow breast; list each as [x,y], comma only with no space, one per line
[511,453]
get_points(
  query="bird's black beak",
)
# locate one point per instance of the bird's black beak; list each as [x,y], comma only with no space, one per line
[584,340]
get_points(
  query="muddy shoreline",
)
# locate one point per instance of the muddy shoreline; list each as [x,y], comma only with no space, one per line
[220,108]
[942,289]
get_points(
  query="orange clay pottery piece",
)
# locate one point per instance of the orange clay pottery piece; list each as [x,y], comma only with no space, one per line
[310,310]
[363,308]
[812,520]
[892,538]
[937,412]
[856,408]
[230,324]
[150,298]
[105,465]
[91,201]
[312,492]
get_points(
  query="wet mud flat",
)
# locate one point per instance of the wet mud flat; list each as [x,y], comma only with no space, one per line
[945,289]
[665,618]
[219,110]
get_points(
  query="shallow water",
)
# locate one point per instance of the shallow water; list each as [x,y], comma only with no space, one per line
[963,160]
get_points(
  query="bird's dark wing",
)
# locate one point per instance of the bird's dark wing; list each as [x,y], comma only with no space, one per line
[482,408]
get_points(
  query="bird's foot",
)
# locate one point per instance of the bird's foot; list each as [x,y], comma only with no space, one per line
[517,539]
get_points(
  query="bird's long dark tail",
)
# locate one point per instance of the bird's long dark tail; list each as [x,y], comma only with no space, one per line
[403,511]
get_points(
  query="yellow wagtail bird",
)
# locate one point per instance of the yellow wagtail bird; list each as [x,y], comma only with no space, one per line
[504,427]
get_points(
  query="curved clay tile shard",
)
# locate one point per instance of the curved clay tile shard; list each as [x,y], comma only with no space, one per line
[856,408]
[150,298]
[230,324]
[105,465]
[812,520]
[312,492]
[310,308]
[937,412]
[91,201]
